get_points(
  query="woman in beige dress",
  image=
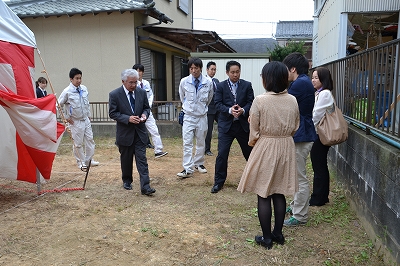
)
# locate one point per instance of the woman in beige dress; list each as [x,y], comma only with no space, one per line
[271,169]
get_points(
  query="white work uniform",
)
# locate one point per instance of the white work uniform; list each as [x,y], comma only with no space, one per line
[75,106]
[151,122]
[195,107]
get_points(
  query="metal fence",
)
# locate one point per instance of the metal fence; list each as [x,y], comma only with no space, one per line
[367,89]
[162,110]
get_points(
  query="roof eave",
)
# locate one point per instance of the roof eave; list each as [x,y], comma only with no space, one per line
[152,12]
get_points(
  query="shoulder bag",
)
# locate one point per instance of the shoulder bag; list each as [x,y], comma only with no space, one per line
[333,128]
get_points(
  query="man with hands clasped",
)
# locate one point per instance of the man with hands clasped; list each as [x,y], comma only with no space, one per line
[233,99]
[128,105]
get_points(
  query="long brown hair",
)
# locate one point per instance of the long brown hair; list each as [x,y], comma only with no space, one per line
[325,77]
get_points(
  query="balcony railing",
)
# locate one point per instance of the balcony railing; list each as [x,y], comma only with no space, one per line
[162,110]
[367,89]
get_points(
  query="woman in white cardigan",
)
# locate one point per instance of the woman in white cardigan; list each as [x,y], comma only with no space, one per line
[323,84]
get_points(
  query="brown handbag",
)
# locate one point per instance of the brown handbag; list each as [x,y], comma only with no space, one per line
[333,128]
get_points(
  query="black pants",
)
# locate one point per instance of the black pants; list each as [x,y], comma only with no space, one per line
[319,160]
[136,151]
[224,145]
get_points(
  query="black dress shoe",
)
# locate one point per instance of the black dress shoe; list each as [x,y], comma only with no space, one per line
[267,243]
[127,186]
[314,202]
[279,239]
[216,188]
[148,191]
[150,146]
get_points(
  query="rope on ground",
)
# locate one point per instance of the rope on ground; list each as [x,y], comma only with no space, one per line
[58,189]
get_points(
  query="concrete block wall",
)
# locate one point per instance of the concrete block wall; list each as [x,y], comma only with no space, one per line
[369,169]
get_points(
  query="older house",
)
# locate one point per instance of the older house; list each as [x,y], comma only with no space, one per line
[104,37]
[295,31]
[359,42]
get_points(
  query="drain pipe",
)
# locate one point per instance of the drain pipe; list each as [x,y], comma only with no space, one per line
[137,52]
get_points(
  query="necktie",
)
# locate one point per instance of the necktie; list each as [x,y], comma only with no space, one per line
[233,88]
[214,87]
[44,93]
[132,101]
[141,85]
[196,83]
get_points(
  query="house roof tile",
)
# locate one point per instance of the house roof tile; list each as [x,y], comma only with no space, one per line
[47,8]
[302,29]
[257,45]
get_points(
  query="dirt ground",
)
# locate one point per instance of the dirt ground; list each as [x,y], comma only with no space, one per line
[182,224]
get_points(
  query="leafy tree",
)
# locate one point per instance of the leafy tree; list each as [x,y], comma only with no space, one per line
[280,52]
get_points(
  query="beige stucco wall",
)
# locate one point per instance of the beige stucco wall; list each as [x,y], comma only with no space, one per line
[170,9]
[101,46]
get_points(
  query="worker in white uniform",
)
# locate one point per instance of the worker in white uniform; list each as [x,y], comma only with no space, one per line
[150,122]
[195,92]
[75,104]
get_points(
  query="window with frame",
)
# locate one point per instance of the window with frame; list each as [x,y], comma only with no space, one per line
[184,6]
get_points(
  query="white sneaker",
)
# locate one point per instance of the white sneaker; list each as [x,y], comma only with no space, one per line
[184,174]
[94,163]
[201,169]
[81,165]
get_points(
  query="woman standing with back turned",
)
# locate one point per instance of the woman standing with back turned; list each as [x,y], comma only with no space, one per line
[323,84]
[271,169]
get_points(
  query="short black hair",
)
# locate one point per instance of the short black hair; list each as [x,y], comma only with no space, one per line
[275,76]
[297,60]
[138,67]
[232,63]
[325,77]
[195,61]
[211,63]
[73,72]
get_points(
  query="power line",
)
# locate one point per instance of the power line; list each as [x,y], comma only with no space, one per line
[238,21]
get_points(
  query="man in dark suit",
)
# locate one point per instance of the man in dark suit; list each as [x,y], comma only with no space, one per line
[212,114]
[233,99]
[128,105]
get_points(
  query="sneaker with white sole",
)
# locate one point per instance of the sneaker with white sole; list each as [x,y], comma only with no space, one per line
[201,169]
[94,163]
[184,174]
[81,165]
[160,154]
[292,222]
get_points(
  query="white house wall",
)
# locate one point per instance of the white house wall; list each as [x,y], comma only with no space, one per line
[330,25]
[250,70]
[326,39]
[101,46]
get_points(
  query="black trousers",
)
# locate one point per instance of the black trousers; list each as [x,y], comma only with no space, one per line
[210,119]
[319,160]
[137,150]
[224,145]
